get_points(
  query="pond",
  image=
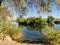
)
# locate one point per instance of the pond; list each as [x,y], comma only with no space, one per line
[32,33]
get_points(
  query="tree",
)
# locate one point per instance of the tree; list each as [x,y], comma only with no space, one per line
[1,1]
[20,20]
[50,20]
[39,4]
[3,14]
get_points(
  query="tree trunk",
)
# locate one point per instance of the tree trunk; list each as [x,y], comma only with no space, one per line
[0,2]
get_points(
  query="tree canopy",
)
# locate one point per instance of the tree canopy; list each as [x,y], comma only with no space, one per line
[41,5]
[3,13]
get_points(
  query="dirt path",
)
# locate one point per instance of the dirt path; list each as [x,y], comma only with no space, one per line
[14,43]
[2,42]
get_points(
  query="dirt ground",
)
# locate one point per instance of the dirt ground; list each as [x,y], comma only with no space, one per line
[2,42]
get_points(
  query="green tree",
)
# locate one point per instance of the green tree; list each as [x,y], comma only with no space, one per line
[23,5]
[50,20]
[45,4]
[20,19]
[30,20]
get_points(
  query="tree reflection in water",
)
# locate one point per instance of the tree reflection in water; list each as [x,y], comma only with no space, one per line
[31,32]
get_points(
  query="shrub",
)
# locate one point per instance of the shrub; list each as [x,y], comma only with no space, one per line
[51,36]
[10,29]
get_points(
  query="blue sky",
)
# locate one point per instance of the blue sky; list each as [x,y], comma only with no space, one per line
[32,12]
[55,13]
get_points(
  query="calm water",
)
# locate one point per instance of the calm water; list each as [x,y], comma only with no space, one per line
[32,33]
[56,26]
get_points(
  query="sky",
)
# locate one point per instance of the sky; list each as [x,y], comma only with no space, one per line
[32,12]
[55,13]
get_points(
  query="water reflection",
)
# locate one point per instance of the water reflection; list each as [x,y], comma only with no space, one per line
[30,35]
[33,33]
[56,26]
[51,25]
[32,27]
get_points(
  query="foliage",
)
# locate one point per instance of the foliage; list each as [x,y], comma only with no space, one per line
[14,32]
[50,20]
[2,33]
[36,3]
[23,5]
[3,13]
[51,36]
[11,30]
[20,19]
[32,21]
[35,28]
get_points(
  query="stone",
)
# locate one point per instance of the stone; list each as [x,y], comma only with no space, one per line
[8,38]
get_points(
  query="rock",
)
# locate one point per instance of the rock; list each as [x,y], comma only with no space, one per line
[8,38]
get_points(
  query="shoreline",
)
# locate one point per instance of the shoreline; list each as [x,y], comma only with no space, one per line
[3,42]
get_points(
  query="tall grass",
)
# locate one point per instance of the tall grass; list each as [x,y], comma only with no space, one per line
[11,30]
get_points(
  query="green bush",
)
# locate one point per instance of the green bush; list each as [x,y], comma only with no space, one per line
[3,30]
[51,36]
[11,30]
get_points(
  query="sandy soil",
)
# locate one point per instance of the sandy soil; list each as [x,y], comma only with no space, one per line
[2,42]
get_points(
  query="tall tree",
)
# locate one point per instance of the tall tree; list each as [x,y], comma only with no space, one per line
[1,1]
[45,4]
[23,5]
[3,14]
